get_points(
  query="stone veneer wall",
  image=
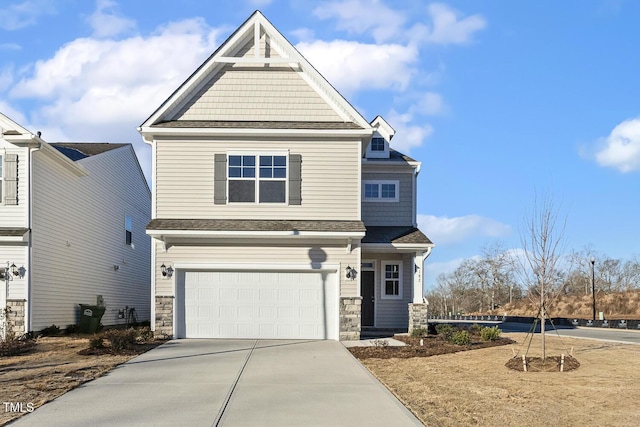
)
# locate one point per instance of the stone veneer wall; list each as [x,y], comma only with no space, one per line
[417,316]
[16,317]
[164,317]
[350,318]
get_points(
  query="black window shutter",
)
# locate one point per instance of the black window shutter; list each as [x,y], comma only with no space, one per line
[220,179]
[295,179]
[11,179]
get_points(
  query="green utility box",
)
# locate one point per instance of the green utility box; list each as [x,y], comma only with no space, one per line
[90,316]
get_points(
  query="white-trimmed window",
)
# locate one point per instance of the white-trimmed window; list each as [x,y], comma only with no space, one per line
[1,180]
[128,230]
[257,178]
[391,280]
[377,144]
[380,191]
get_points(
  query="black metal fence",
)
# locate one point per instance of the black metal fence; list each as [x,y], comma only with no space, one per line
[559,321]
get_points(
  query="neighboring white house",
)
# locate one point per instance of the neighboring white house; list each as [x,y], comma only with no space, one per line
[72,222]
[278,211]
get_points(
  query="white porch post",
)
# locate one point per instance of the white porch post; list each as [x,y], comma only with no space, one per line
[418,281]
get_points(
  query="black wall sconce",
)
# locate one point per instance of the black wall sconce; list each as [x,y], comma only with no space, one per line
[167,272]
[351,273]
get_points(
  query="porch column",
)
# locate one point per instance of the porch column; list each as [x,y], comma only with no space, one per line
[418,281]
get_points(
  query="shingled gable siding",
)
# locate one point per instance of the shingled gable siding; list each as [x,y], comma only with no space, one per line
[329,180]
[390,213]
[255,92]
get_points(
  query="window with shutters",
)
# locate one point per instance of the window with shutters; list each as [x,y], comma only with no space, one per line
[257,178]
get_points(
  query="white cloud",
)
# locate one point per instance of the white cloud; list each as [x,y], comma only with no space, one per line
[622,147]
[6,77]
[447,26]
[363,16]
[23,14]
[107,23]
[103,88]
[303,34]
[351,66]
[407,135]
[429,104]
[13,114]
[259,3]
[444,230]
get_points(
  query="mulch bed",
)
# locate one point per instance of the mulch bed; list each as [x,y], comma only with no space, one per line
[433,345]
[136,349]
[16,346]
[550,364]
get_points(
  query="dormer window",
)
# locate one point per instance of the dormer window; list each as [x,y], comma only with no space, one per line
[377,144]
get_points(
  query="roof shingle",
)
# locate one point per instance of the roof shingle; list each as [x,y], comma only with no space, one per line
[395,234]
[255,225]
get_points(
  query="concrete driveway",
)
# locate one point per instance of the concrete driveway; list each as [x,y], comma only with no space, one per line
[231,383]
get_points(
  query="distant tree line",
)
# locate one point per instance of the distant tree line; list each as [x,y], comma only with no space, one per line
[496,277]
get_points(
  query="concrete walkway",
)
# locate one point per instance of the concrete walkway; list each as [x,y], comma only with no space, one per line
[231,383]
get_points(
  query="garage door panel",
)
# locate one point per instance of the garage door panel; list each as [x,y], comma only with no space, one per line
[260,305]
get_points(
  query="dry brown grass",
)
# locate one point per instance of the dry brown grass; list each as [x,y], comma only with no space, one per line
[51,369]
[475,387]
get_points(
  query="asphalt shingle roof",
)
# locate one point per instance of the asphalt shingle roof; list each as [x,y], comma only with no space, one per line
[12,232]
[395,234]
[235,124]
[254,225]
[80,150]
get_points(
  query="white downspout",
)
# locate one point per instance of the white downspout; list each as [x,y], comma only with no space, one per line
[27,306]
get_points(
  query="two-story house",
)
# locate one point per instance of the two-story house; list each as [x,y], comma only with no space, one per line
[72,230]
[278,210]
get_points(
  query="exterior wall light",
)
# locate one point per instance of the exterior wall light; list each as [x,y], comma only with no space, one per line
[167,272]
[351,273]
[6,272]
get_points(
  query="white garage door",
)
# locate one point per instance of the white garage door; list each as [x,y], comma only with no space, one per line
[260,304]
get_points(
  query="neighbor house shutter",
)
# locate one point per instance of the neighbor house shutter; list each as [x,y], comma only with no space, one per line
[220,179]
[295,179]
[11,179]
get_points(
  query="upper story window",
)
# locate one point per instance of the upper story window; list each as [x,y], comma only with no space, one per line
[1,181]
[377,144]
[128,230]
[380,191]
[269,185]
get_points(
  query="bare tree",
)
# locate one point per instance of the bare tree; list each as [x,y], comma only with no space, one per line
[541,238]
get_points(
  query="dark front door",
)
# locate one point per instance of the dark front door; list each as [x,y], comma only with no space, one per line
[367,284]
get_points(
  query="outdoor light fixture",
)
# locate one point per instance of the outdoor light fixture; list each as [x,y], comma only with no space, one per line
[6,272]
[351,273]
[167,272]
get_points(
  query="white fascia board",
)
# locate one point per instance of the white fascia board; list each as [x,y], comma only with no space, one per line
[15,239]
[256,234]
[254,266]
[393,163]
[149,133]
[396,247]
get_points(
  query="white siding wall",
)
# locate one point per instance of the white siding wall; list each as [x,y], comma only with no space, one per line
[78,236]
[390,213]
[15,253]
[330,180]
[16,216]
[392,313]
[311,254]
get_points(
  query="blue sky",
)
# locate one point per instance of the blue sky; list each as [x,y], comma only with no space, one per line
[498,99]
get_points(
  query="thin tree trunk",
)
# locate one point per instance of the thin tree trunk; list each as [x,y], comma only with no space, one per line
[542,319]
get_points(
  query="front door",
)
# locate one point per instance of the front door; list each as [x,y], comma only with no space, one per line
[367,284]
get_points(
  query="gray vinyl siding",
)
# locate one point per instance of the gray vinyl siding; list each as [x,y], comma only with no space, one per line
[390,213]
[329,173]
[78,237]
[15,215]
[312,254]
[392,313]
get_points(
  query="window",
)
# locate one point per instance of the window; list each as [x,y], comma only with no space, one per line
[128,230]
[1,181]
[391,280]
[269,185]
[380,191]
[377,144]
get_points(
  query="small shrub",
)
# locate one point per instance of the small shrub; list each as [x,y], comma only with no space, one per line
[380,343]
[72,329]
[444,329]
[50,331]
[96,341]
[490,334]
[145,335]
[121,339]
[460,338]
[418,332]
[475,329]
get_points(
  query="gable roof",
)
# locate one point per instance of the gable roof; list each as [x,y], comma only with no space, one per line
[396,235]
[279,55]
[81,150]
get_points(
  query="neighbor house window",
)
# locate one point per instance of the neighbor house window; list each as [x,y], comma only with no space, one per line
[377,144]
[269,185]
[1,181]
[381,191]
[391,280]
[128,230]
